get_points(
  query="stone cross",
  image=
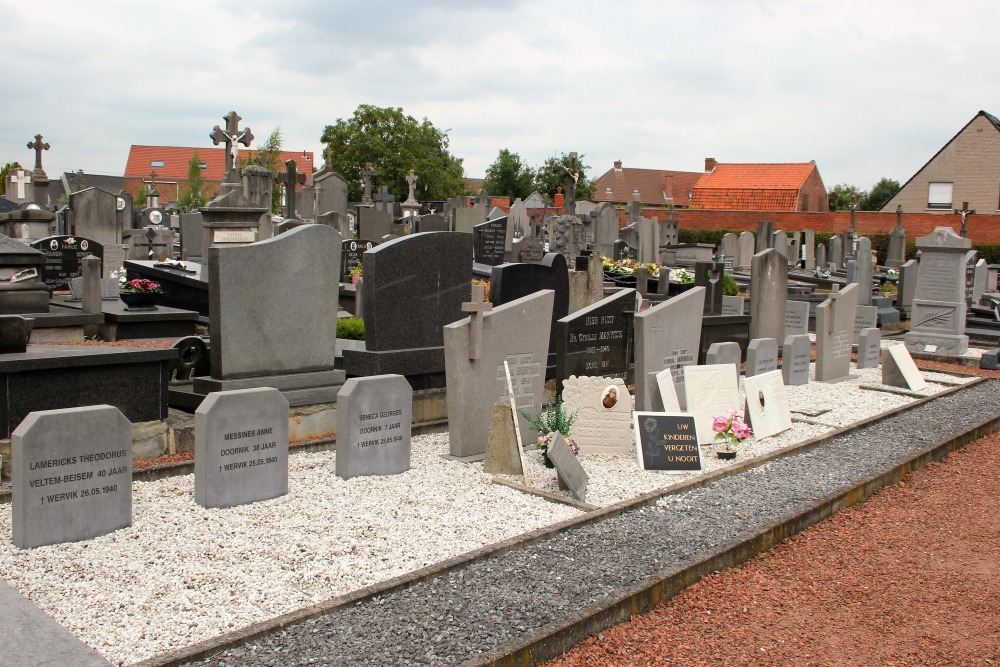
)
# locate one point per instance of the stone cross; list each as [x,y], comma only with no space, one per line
[476,308]
[232,136]
[38,146]
[19,178]
[411,180]
[572,176]
[367,174]
[290,179]
[383,198]
[899,216]
[965,212]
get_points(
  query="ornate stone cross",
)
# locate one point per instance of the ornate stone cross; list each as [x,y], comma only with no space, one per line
[232,136]
[367,173]
[38,146]
[965,212]
[411,180]
[290,179]
[476,308]
[572,176]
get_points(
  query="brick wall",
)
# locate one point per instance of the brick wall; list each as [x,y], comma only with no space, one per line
[815,191]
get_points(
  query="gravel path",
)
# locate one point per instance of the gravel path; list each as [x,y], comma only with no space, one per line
[481,606]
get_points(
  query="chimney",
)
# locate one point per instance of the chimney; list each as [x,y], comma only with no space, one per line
[710,164]
[618,165]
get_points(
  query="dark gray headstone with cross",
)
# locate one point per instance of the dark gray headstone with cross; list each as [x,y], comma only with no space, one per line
[384,199]
[709,276]
[232,137]
[290,179]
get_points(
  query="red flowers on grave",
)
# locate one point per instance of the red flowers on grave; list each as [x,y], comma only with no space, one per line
[141,286]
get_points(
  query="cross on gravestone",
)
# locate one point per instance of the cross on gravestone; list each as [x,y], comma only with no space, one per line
[366,174]
[476,308]
[38,146]
[232,136]
[20,179]
[290,179]
[965,212]
[899,216]
[384,199]
[569,192]
[150,235]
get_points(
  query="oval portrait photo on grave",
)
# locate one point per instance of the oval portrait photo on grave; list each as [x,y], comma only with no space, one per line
[609,397]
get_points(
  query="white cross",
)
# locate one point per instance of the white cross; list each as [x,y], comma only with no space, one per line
[21,179]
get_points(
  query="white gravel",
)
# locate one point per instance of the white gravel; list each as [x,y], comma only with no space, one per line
[182,573]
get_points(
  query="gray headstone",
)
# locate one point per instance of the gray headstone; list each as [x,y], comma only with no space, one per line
[603,409]
[71,474]
[809,244]
[898,369]
[724,353]
[794,243]
[241,447]
[331,193]
[990,359]
[762,356]
[907,286]
[519,220]
[896,254]
[374,415]
[259,314]
[866,317]
[94,214]
[374,224]
[668,335]
[568,237]
[834,329]
[745,250]
[768,293]
[820,256]
[464,219]
[937,323]
[606,223]
[192,236]
[568,467]
[835,251]
[114,259]
[869,348]
[979,281]
[502,454]
[733,305]
[708,275]
[730,246]
[887,314]
[795,360]
[488,241]
[864,271]
[796,318]
[517,332]
[779,241]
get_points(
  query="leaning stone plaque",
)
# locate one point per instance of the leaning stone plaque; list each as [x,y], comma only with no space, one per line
[710,392]
[898,369]
[603,410]
[568,467]
[241,447]
[667,441]
[72,475]
[767,404]
[373,426]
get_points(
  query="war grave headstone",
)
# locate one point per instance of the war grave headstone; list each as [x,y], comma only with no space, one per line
[488,242]
[667,442]
[595,340]
[352,256]
[898,369]
[710,392]
[835,251]
[821,262]
[906,288]
[62,258]
[795,356]
[834,330]
[515,332]
[869,348]
[937,323]
[93,213]
[373,426]
[71,472]
[603,409]
[374,224]
[762,356]
[866,317]
[413,286]
[809,246]
[513,281]
[744,250]
[667,335]
[724,353]
[254,315]
[796,318]
[768,295]
[241,447]
[767,404]
[733,305]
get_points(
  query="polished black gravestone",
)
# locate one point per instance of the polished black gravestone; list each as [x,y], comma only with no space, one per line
[513,281]
[62,258]
[351,255]
[595,340]
[489,242]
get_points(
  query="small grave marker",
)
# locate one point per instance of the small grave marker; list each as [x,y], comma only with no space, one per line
[767,404]
[667,441]
[568,467]
[603,411]
[374,415]
[898,369]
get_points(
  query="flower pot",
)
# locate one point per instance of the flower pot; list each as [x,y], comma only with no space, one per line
[139,300]
[548,461]
[726,455]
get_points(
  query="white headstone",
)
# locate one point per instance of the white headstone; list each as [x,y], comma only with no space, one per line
[767,404]
[898,369]
[711,391]
[603,409]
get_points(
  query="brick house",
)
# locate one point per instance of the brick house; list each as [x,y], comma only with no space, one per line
[171,166]
[648,186]
[966,169]
[760,187]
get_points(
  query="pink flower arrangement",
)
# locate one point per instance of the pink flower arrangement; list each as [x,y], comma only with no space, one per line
[140,285]
[545,440]
[731,428]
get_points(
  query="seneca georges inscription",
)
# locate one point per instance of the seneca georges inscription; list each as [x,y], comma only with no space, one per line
[376,429]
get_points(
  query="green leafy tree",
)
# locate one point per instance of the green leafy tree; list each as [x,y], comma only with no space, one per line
[3,175]
[193,194]
[508,176]
[842,195]
[551,175]
[268,155]
[880,194]
[394,143]
[141,198]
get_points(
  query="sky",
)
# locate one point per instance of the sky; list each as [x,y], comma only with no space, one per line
[866,89]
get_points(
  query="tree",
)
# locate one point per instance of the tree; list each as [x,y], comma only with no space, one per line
[3,175]
[508,176]
[551,175]
[880,194]
[842,195]
[394,143]
[268,155]
[193,194]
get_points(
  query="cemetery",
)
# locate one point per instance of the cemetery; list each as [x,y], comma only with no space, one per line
[194,446]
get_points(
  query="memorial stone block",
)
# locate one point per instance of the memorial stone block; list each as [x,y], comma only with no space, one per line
[710,392]
[869,348]
[898,369]
[795,360]
[667,442]
[834,329]
[724,353]
[762,356]
[603,409]
[374,415]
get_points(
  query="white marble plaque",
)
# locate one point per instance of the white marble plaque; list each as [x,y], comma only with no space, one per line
[711,391]
[767,404]
[668,392]
[234,236]
[603,409]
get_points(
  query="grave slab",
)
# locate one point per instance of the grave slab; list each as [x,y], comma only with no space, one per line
[898,369]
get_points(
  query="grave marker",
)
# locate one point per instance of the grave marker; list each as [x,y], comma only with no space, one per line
[568,467]
[594,340]
[795,360]
[352,256]
[937,323]
[668,335]
[869,348]
[62,258]
[796,318]
[374,415]
[667,442]
[834,329]
[710,391]
[762,356]
[489,239]
[898,369]
[767,405]
[603,409]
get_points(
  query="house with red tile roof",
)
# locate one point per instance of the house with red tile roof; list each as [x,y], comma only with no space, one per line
[760,187]
[171,166]
[648,186]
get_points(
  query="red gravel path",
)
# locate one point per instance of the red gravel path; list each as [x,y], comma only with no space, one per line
[910,577]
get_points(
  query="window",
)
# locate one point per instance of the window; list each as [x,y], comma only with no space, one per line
[939,195]
[157,164]
[607,190]
[204,165]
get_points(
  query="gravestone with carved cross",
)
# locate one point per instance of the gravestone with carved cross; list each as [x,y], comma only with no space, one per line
[476,308]
[290,178]
[16,188]
[232,137]
[384,199]
[367,173]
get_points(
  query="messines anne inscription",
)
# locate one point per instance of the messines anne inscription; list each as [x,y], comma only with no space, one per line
[253,453]
[524,372]
[380,428]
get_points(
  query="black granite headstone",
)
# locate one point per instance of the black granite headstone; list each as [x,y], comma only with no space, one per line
[351,255]
[595,340]
[512,281]
[62,258]
[667,442]
[489,241]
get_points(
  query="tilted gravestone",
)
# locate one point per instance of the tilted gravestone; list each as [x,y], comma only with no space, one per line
[711,391]
[502,453]
[767,405]
[374,415]
[937,324]
[768,294]
[869,348]
[568,467]
[762,356]
[71,475]
[241,447]
[595,340]
[516,332]
[603,410]
[795,360]
[898,369]
[488,241]
[668,335]
[834,329]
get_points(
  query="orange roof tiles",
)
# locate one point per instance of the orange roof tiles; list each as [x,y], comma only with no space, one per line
[760,187]
[649,186]
[175,161]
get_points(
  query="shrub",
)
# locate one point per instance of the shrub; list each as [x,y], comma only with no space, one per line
[351,328]
[729,286]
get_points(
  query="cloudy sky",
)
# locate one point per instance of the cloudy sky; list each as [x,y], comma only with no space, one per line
[867,89]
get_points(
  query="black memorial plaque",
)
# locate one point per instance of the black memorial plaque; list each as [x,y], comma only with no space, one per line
[667,441]
[351,255]
[62,258]
[490,238]
[595,340]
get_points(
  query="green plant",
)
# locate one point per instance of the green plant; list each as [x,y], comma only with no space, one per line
[351,328]
[729,286]
[552,417]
